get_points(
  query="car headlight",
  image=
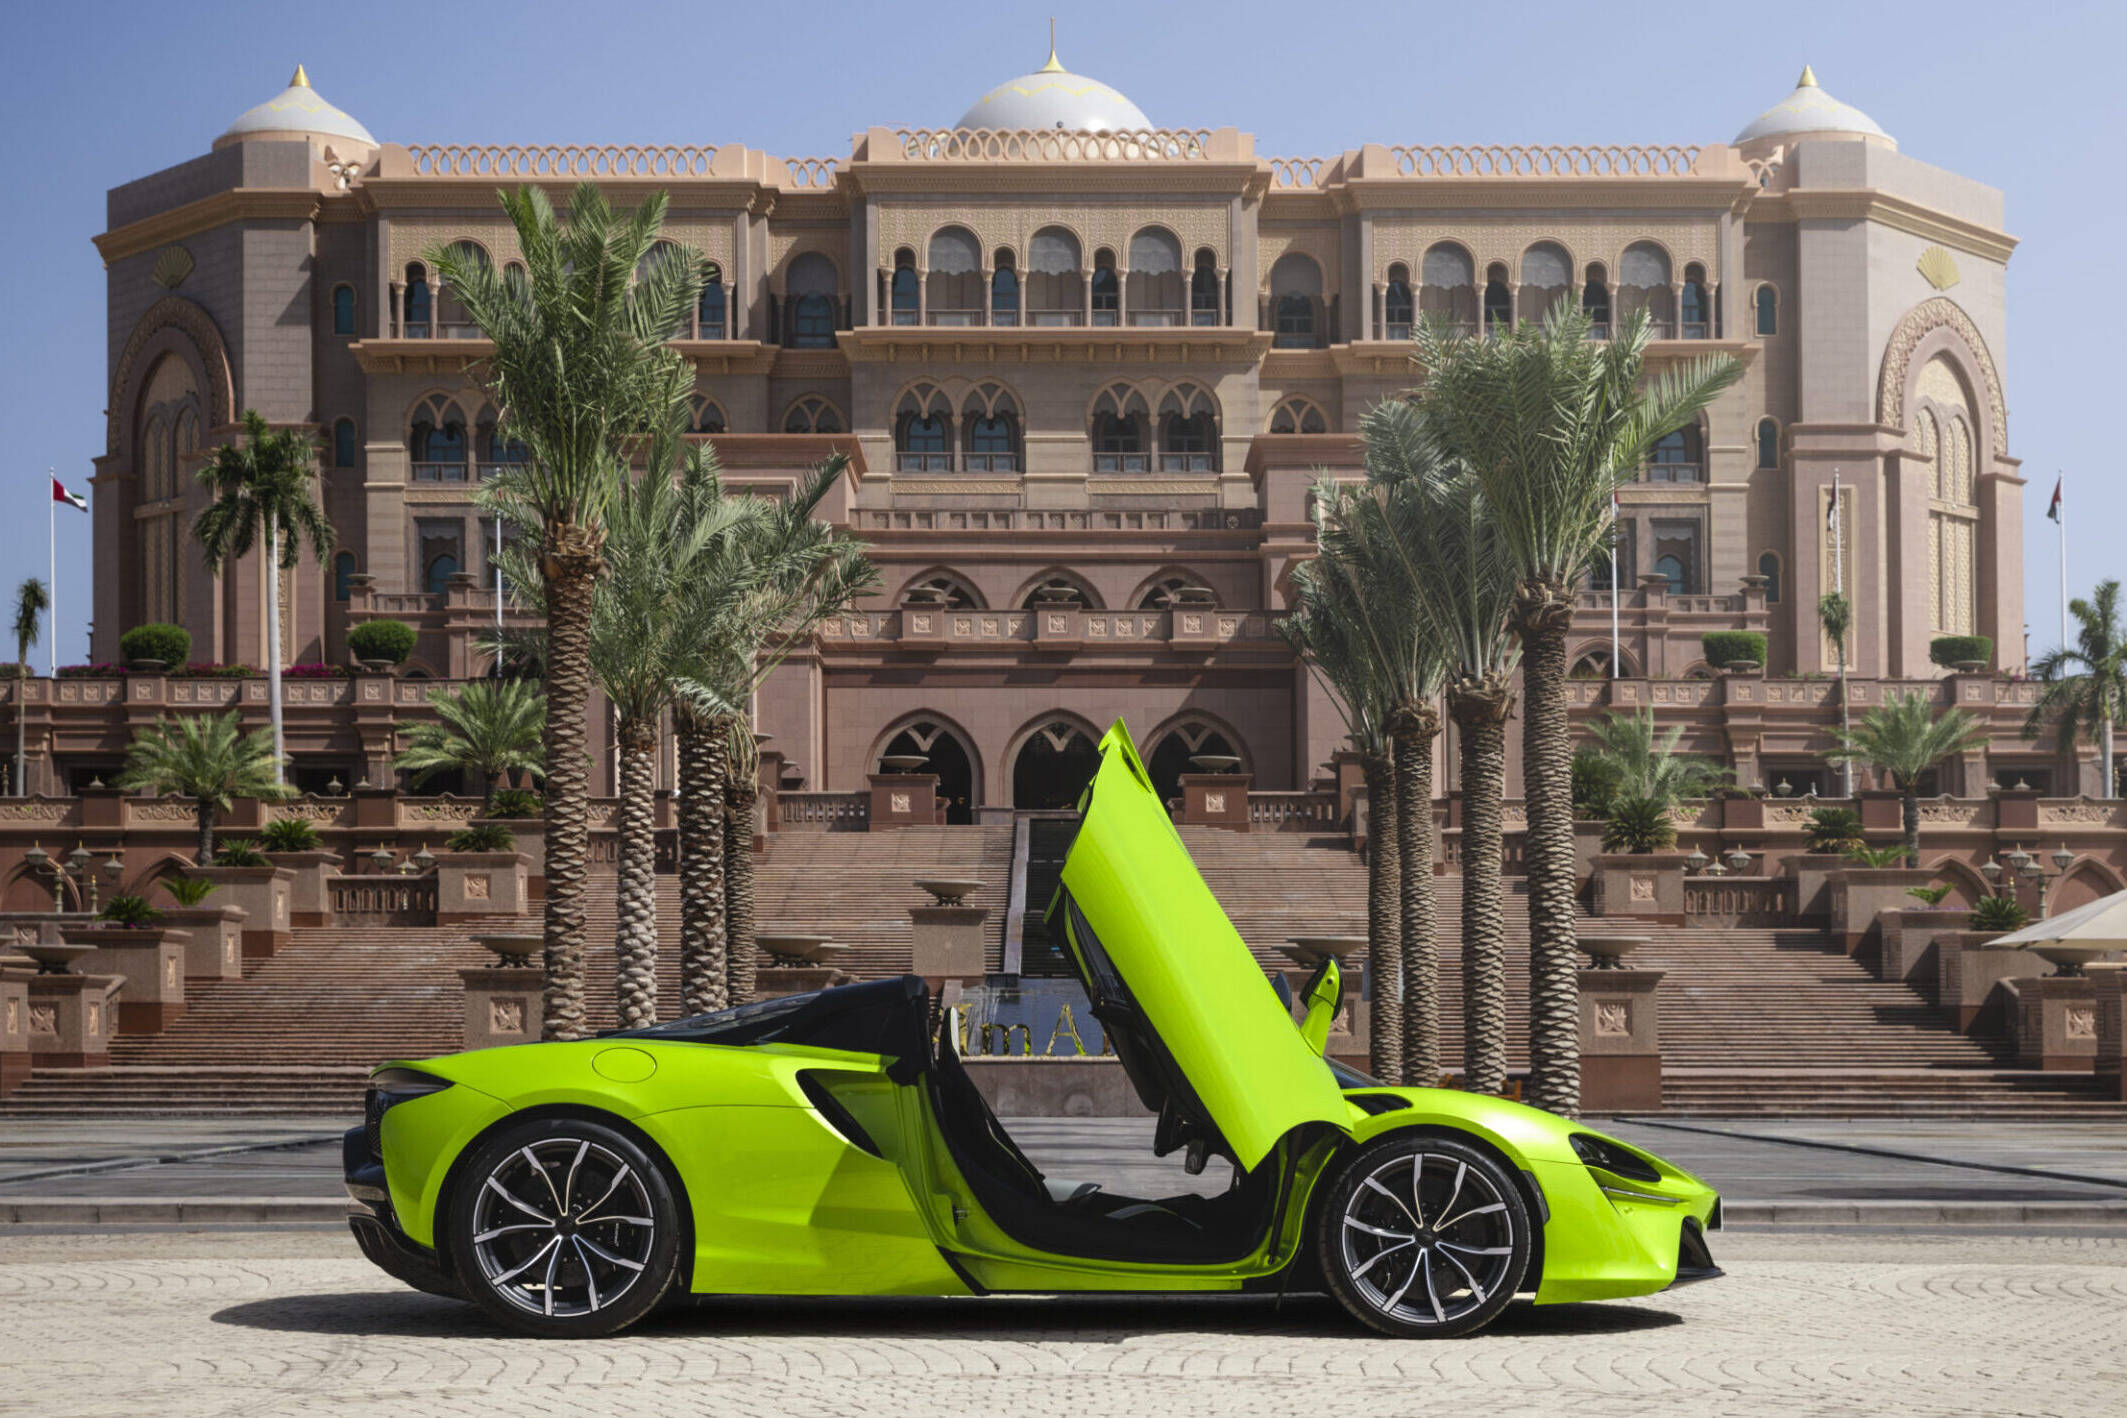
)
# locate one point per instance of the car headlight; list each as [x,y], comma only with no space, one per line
[388,1088]
[1612,1157]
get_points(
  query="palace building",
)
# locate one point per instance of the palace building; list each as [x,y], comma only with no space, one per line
[1086,368]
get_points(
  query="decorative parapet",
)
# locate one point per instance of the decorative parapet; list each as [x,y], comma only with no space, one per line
[939,627]
[1293,174]
[1549,160]
[1046,145]
[561,160]
[1305,811]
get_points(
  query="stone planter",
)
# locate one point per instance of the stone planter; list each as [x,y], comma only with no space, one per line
[948,943]
[214,940]
[1620,1040]
[70,1019]
[502,1005]
[473,885]
[1967,972]
[1647,886]
[152,964]
[1216,800]
[2056,1023]
[309,903]
[530,834]
[1860,894]
[266,894]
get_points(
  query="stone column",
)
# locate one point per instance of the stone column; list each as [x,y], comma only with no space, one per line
[948,943]
[14,1029]
[1620,1040]
[502,1004]
[2056,1023]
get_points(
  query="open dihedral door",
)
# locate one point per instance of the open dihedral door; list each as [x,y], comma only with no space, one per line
[1194,1019]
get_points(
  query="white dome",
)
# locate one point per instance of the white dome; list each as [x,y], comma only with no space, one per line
[1809,109]
[296,111]
[1054,97]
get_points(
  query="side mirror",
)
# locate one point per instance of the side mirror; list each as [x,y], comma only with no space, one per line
[1320,998]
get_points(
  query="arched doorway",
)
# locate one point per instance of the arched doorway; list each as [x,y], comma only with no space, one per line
[1171,755]
[948,759]
[1054,765]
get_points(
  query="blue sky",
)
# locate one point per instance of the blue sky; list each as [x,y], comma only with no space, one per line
[2023,97]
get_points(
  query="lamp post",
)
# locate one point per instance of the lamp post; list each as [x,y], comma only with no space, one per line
[2040,879]
[1738,860]
[77,866]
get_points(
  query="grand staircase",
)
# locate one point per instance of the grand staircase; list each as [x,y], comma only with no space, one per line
[1754,1022]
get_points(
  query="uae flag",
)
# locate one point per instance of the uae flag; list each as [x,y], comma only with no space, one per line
[71,499]
[2053,508]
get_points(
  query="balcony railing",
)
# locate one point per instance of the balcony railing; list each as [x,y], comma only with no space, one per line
[1187,463]
[1697,330]
[458,330]
[906,317]
[1158,318]
[416,329]
[923,462]
[990,462]
[1399,329]
[1672,473]
[1599,329]
[957,318]
[1056,317]
[1204,315]
[1106,318]
[441,472]
[1122,462]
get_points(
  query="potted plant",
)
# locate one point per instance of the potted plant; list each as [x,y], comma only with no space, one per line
[1999,914]
[1833,831]
[131,941]
[214,934]
[155,647]
[381,645]
[481,837]
[293,843]
[1640,826]
[1967,654]
[1740,651]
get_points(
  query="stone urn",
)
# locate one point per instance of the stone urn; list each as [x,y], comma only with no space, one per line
[1743,667]
[377,667]
[1607,951]
[2069,958]
[1969,667]
[1309,951]
[949,890]
[1214,762]
[147,667]
[902,762]
[53,957]
[513,949]
[790,948]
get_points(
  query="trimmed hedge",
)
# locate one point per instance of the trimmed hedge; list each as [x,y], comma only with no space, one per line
[1725,647]
[391,640]
[1948,650]
[171,644]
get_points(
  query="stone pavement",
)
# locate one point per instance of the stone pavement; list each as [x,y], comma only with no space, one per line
[175,1324]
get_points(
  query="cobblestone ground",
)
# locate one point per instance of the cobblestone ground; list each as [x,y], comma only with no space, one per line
[269,1323]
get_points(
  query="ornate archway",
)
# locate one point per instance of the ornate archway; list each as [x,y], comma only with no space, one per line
[1055,760]
[951,756]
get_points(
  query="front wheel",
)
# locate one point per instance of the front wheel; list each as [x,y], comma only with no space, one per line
[564,1228]
[1424,1237]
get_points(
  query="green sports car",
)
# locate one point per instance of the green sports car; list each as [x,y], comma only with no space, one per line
[833,1143]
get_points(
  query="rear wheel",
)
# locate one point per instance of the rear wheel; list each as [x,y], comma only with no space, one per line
[564,1228]
[1423,1237]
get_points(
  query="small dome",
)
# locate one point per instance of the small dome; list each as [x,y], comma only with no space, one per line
[295,112]
[1054,97]
[1809,109]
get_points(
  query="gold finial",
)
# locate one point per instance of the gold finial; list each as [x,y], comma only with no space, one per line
[301,79]
[1052,67]
[1808,79]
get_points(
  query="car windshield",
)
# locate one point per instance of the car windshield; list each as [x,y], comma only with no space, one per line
[1349,1078]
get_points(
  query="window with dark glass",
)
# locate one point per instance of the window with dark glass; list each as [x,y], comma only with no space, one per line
[1107,291]
[709,311]
[1769,568]
[343,443]
[904,293]
[1498,302]
[1768,311]
[1697,306]
[417,302]
[1397,307]
[343,310]
[1004,292]
[1768,444]
[1204,291]
[1595,303]
[1676,457]
[343,573]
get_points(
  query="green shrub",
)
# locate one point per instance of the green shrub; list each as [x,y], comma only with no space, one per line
[132,912]
[187,891]
[171,644]
[1877,857]
[391,640]
[515,802]
[243,852]
[1999,913]
[1931,895]
[1725,647]
[1639,825]
[289,834]
[1596,780]
[481,837]
[1949,650]
[1834,830]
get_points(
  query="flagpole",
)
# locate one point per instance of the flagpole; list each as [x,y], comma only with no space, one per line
[51,547]
[2060,525]
[1615,671]
[1846,766]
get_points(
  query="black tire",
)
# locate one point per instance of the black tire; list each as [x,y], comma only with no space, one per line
[563,1228]
[1408,1269]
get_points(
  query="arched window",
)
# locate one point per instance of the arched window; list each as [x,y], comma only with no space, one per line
[417,324]
[1698,305]
[1768,303]
[946,755]
[1004,292]
[1595,302]
[1166,592]
[343,310]
[923,432]
[1176,752]
[905,295]
[1055,278]
[1447,287]
[813,288]
[453,320]
[157,479]
[343,574]
[1053,766]
[1768,443]
[1942,434]
[343,443]
[1643,285]
[1672,566]
[437,579]
[708,416]
[1119,431]
[1498,300]
[1298,415]
[1296,298]
[1397,307]
[942,589]
[1769,568]
[1188,431]
[1058,588]
[955,279]
[436,444]
[711,309]
[813,414]
[1107,290]
[1546,279]
[1677,457]
[990,425]
[497,446]
[1158,294]
[1204,302]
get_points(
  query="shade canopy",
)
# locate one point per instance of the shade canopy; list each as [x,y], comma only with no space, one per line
[2100,925]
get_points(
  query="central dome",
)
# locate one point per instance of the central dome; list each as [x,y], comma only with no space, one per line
[1054,97]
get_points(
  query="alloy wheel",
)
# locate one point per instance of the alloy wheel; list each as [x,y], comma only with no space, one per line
[563,1227]
[1427,1239]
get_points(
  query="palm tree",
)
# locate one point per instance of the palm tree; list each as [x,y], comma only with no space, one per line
[2086,686]
[742,790]
[1548,421]
[208,758]
[262,489]
[489,727]
[1905,737]
[581,365]
[1323,628]
[1468,593]
[1836,614]
[31,601]
[1647,765]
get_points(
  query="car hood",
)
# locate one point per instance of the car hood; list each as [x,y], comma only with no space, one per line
[1204,1006]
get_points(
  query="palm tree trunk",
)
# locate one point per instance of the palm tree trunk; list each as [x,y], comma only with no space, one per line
[635,938]
[738,886]
[22,748]
[1481,709]
[703,982]
[1909,806]
[273,643]
[1384,923]
[204,810]
[1420,946]
[1541,614]
[2104,755]
[571,574]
